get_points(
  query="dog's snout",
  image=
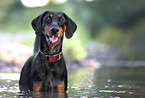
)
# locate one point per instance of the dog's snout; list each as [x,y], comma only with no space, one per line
[54,29]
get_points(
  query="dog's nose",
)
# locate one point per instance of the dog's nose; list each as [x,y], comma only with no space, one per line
[54,29]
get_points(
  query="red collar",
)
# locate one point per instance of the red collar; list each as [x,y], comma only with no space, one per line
[50,58]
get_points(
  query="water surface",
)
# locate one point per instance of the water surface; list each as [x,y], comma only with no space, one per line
[114,82]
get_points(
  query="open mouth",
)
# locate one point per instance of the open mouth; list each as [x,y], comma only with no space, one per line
[52,39]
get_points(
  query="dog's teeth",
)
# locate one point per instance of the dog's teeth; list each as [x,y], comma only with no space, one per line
[53,39]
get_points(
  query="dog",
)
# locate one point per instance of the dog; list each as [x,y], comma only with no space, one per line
[46,69]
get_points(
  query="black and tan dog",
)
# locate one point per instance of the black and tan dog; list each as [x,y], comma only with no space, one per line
[46,70]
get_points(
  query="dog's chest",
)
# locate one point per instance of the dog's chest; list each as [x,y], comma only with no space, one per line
[52,70]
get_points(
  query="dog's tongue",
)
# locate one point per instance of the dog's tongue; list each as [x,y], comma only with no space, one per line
[53,38]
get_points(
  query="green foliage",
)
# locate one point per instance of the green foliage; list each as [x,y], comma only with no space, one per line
[75,48]
[116,37]
[115,22]
[29,42]
[110,35]
[4,7]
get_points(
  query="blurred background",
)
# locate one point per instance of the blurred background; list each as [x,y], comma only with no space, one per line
[109,31]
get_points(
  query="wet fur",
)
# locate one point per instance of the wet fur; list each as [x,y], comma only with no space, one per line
[41,75]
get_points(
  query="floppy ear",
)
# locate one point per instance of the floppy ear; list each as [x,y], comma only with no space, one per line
[70,27]
[37,23]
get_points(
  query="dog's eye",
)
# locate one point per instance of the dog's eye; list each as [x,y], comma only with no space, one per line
[48,18]
[61,19]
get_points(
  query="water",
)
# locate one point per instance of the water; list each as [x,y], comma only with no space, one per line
[114,82]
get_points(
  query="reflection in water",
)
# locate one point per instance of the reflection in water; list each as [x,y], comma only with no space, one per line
[107,82]
[85,82]
[43,94]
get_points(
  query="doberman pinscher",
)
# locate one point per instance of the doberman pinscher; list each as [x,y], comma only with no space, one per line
[46,70]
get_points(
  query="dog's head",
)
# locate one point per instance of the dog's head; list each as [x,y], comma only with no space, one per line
[52,25]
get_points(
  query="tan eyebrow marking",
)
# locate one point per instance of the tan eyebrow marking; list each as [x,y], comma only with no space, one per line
[51,15]
[59,16]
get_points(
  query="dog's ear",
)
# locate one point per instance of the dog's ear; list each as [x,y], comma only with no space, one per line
[70,27]
[37,24]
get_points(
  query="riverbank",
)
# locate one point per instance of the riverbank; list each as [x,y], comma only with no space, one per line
[13,54]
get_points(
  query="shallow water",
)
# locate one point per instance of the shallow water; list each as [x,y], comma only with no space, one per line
[114,82]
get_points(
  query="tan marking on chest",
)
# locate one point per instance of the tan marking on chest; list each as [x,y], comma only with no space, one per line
[61,86]
[37,86]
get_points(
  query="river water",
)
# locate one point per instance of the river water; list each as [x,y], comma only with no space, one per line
[110,82]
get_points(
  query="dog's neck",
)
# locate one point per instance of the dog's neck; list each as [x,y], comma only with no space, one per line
[52,48]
